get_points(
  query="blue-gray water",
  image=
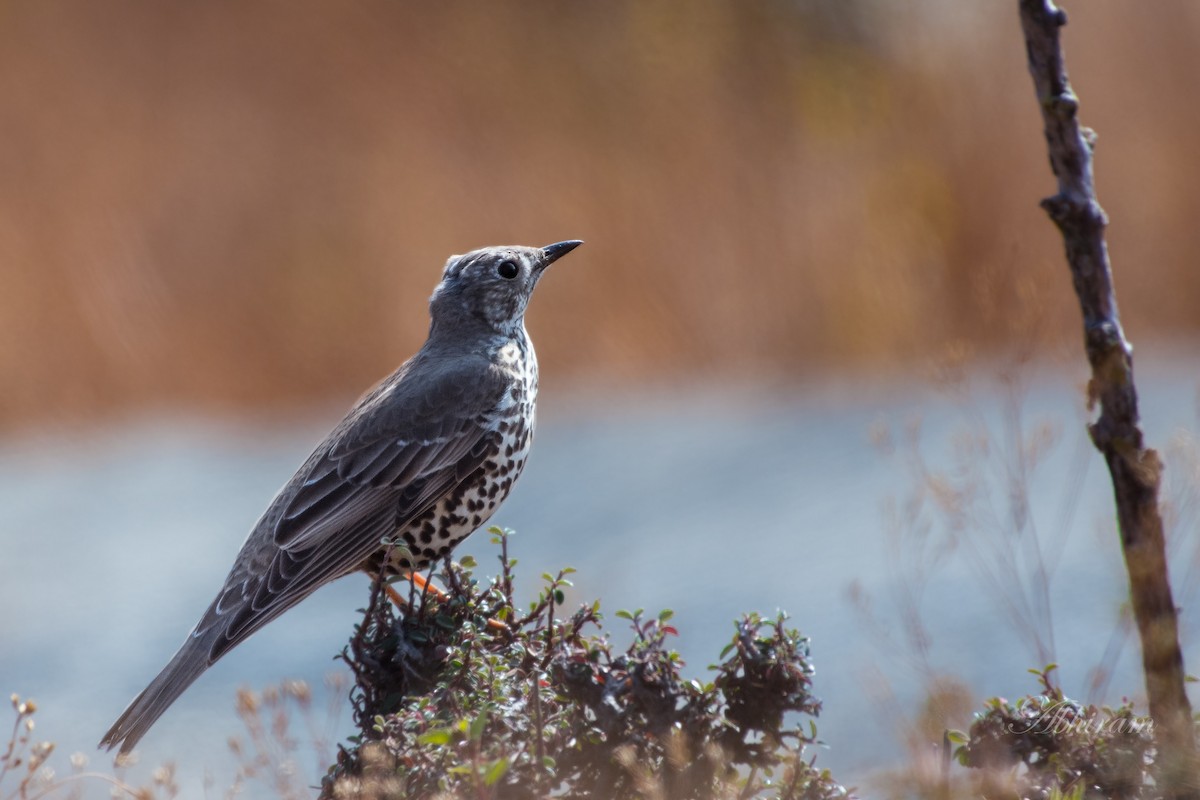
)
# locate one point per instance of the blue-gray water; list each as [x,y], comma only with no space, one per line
[705,501]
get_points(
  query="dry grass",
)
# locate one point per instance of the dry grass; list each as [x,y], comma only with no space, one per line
[286,746]
[224,205]
[28,773]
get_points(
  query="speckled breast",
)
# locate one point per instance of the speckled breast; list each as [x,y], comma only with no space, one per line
[457,515]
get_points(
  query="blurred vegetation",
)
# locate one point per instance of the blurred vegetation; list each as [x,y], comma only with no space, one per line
[221,205]
[466,695]
[1047,744]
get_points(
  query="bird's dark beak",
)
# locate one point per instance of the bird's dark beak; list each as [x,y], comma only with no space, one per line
[553,252]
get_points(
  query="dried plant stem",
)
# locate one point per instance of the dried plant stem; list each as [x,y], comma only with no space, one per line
[1135,469]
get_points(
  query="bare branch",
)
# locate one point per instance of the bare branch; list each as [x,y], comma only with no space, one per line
[1135,469]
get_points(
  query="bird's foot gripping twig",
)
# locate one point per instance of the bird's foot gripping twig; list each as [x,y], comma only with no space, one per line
[422,585]
[457,590]
[426,587]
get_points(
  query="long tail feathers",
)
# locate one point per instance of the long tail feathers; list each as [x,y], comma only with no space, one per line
[187,665]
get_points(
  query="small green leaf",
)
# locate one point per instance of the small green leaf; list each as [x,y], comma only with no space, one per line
[478,724]
[956,737]
[495,772]
[665,615]
[435,737]
[467,562]
[623,614]
[559,597]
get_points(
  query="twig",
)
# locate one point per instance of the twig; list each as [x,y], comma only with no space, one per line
[425,592]
[6,758]
[452,577]
[117,787]
[550,590]
[506,581]
[1135,469]
[539,732]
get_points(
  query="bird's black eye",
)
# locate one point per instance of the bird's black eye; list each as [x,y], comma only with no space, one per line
[508,270]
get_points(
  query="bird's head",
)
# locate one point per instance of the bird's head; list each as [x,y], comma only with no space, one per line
[492,285]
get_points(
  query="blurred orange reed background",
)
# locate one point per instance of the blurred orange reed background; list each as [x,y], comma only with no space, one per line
[225,205]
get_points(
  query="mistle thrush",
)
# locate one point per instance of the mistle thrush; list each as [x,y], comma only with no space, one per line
[423,459]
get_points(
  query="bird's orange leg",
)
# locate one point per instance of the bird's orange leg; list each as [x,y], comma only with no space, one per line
[424,585]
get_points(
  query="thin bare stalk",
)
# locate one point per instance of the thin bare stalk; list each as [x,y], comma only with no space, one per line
[1136,470]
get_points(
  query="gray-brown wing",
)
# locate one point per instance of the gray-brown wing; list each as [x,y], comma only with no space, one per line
[363,481]
[409,442]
